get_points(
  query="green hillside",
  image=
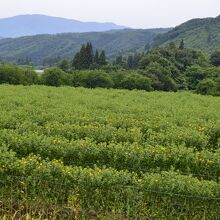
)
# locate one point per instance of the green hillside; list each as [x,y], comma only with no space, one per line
[43,47]
[203,34]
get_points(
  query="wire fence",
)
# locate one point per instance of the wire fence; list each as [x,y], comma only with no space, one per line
[27,180]
[54,199]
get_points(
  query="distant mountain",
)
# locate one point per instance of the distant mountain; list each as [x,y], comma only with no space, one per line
[203,34]
[26,25]
[41,48]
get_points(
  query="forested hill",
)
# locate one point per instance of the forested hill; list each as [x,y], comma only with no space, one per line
[203,34]
[43,48]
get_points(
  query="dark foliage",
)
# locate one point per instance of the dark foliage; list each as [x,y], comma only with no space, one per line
[215,58]
[85,59]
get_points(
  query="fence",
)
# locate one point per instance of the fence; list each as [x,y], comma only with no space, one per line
[23,196]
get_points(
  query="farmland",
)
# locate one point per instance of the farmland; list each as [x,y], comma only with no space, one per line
[122,154]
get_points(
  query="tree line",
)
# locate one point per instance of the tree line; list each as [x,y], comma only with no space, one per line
[168,68]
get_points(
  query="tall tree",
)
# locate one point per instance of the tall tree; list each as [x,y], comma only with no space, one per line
[136,59]
[130,62]
[85,58]
[215,58]
[181,47]
[102,59]
[119,60]
[77,61]
[64,65]
[96,57]
[89,55]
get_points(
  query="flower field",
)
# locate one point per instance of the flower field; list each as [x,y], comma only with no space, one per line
[108,154]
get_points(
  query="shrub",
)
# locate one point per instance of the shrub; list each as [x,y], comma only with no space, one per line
[54,77]
[136,81]
[92,79]
[215,58]
[161,77]
[207,87]
[15,75]
[29,77]
[217,80]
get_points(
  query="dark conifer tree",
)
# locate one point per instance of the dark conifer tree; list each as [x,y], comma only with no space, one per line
[136,59]
[130,62]
[89,55]
[77,61]
[119,60]
[85,59]
[181,47]
[64,65]
[215,58]
[102,59]
[96,57]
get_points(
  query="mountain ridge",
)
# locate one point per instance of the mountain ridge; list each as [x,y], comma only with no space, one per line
[198,33]
[35,24]
[41,47]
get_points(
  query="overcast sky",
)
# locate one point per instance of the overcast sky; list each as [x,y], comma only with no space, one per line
[132,13]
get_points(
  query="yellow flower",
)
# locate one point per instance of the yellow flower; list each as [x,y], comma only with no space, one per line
[139,180]
[210,162]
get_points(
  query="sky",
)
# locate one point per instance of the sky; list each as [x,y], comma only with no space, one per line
[131,13]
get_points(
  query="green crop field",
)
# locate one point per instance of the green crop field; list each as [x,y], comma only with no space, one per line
[75,153]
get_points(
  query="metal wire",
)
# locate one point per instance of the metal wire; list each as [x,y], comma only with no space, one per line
[116,186]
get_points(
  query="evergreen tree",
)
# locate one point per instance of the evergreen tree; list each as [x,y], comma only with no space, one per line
[119,60]
[215,58]
[85,59]
[136,59]
[102,59]
[64,65]
[89,56]
[76,61]
[181,47]
[96,57]
[130,62]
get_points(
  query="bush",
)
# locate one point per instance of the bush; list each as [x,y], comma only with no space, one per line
[7,159]
[215,58]
[92,79]
[207,87]
[217,80]
[29,77]
[136,81]
[161,77]
[11,74]
[54,77]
